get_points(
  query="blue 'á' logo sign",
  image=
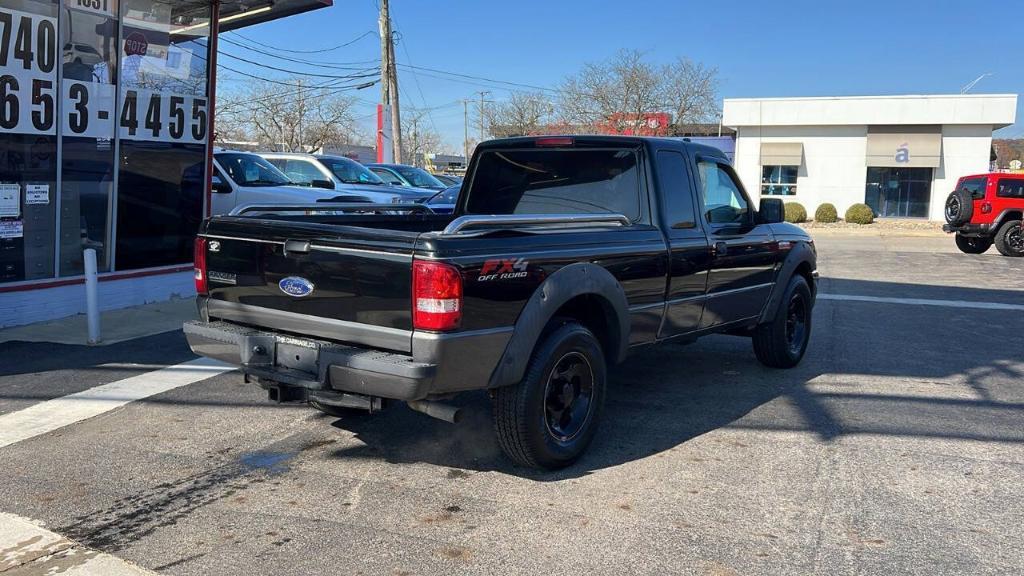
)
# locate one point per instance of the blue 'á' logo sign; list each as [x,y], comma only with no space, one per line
[295,286]
[903,153]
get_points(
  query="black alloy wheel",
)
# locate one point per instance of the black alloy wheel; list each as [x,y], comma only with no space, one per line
[796,322]
[568,397]
[1009,239]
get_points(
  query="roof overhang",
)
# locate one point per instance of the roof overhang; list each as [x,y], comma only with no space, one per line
[996,110]
[235,14]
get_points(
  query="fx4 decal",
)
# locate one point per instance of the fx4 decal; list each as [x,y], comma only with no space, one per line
[503,269]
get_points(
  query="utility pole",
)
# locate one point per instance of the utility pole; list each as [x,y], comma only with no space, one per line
[482,93]
[389,79]
[465,127]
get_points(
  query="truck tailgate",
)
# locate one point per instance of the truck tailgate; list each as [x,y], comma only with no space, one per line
[344,283]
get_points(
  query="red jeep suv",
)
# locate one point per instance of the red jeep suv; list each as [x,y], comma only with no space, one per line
[986,209]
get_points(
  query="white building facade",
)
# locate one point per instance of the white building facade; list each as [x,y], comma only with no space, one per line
[901,155]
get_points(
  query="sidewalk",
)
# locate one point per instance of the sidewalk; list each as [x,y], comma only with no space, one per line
[115,325]
[26,548]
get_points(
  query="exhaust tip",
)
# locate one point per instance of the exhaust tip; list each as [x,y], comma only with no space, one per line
[438,410]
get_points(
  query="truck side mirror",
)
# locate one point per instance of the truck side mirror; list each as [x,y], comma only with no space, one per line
[325,184]
[219,186]
[772,211]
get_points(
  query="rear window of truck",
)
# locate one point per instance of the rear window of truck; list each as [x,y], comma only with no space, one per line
[562,181]
[975,186]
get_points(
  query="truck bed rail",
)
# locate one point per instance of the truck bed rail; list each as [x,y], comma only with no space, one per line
[481,223]
[354,207]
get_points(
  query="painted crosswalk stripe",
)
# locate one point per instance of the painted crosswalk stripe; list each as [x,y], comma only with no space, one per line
[926,302]
[59,412]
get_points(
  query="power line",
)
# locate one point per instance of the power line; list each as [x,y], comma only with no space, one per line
[331,49]
[334,65]
[471,77]
[311,74]
[290,84]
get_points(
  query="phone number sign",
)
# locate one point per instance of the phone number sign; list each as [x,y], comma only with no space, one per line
[28,72]
[29,94]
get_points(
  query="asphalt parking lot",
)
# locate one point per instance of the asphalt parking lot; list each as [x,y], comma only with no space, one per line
[896,447]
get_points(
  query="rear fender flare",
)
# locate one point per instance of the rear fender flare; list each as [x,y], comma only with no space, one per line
[799,254]
[582,278]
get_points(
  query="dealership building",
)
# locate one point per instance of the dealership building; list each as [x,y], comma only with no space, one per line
[106,122]
[901,155]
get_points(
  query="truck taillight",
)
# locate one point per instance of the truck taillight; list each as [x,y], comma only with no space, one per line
[436,296]
[199,259]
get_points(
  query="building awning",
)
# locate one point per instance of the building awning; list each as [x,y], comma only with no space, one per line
[907,146]
[235,14]
[781,153]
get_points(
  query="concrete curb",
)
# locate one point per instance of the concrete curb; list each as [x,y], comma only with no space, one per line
[27,549]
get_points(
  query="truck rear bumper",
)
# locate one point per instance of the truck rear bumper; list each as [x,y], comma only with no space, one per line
[467,359]
[969,230]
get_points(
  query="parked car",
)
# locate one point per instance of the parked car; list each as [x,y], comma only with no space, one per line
[241,178]
[444,201]
[561,256]
[987,209]
[402,175]
[344,175]
[448,179]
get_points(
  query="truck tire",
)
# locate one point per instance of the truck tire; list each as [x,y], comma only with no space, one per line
[781,343]
[1009,239]
[973,244]
[959,207]
[549,418]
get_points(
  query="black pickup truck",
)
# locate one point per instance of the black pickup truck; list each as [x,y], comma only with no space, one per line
[562,254]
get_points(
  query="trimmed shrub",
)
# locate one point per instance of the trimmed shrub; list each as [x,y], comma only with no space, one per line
[795,212]
[860,214]
[826,213]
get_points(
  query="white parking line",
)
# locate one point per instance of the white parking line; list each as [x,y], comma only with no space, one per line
[30,549]
[59,412]
[925,302]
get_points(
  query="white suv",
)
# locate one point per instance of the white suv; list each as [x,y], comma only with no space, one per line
[344,176]
[241,178]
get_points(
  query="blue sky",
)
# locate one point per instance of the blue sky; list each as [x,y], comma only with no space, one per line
[761,49]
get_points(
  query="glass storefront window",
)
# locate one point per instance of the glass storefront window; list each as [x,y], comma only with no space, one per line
[899,192]
[89,44]
[779,180]
[28,138]
[163,131]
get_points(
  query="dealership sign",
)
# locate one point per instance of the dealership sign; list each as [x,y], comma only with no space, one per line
[903,153]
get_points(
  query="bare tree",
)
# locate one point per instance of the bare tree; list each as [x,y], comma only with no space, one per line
[620,94]
[420,139]
[523,114]
[287,118]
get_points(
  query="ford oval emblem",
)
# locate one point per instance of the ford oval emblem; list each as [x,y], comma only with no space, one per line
[295,286]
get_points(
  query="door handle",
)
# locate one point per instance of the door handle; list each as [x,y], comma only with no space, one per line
[721,249]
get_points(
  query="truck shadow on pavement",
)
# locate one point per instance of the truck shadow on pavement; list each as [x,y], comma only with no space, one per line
[871,369]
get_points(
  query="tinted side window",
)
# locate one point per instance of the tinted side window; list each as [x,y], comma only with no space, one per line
[595,181]
[722,198]
[1010,188]
[976,186]
[387,176]
[302,171]
[677,198]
